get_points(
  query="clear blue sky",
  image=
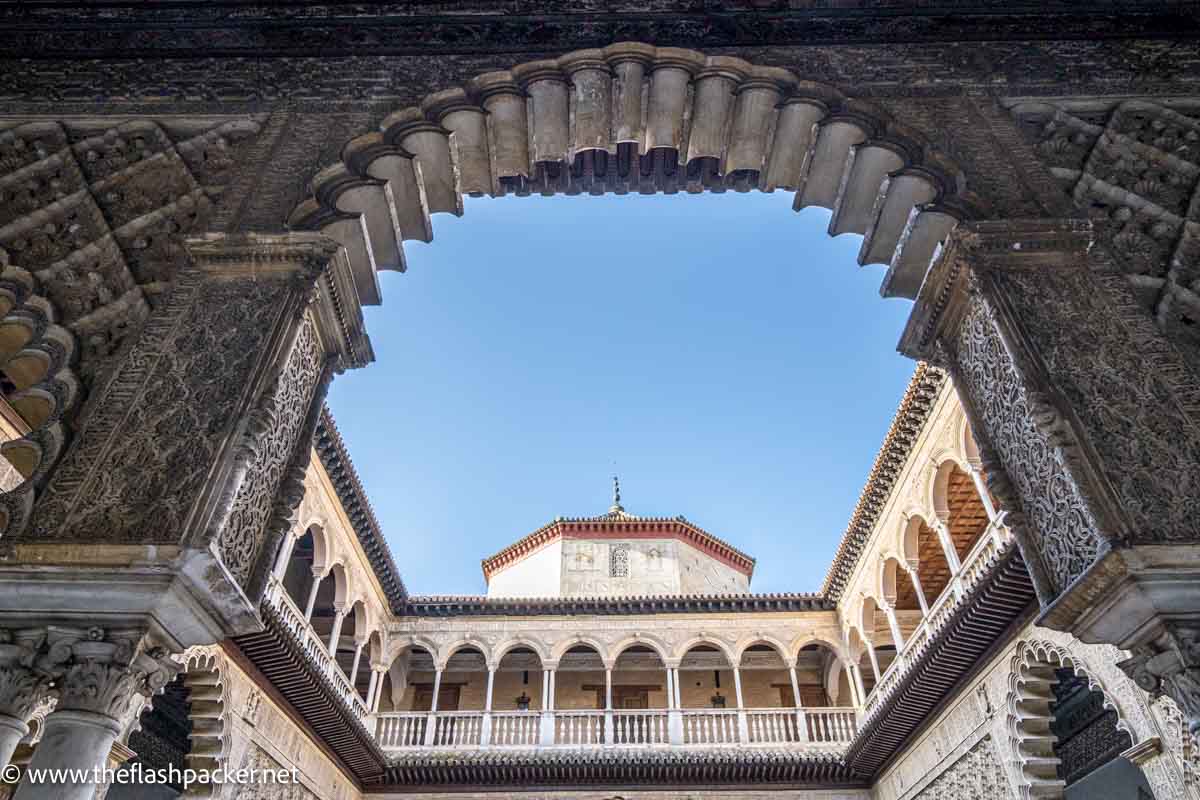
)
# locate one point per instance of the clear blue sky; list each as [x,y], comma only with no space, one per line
[726,356]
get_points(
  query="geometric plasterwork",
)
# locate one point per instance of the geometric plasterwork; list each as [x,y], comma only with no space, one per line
[92,218]
[977,775]
[96,212]
[1135,168]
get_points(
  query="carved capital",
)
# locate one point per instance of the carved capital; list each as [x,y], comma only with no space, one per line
[109,671]
[30,659]
[972,250]
[1170,666]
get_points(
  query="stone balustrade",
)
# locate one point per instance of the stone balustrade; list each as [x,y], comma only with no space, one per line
[316,649]
[823,729]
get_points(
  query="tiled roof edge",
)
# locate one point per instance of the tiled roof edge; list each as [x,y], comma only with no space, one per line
[480,605]
[498,560]
[906,427]
[336,460]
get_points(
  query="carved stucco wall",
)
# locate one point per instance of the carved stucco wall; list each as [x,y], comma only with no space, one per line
[263,736]
[968,748]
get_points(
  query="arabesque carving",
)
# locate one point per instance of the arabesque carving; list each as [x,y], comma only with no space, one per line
[978,774]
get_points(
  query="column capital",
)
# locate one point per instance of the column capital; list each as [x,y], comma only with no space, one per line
[974,247]
[108,669]
[1170,665]
[22,683]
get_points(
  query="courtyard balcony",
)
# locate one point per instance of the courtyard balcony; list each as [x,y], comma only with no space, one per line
[315,648]
[995,544]
[817,729]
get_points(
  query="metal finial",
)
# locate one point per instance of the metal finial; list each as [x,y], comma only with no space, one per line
[616,506]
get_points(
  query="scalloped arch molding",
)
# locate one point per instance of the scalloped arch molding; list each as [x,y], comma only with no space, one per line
[637,118]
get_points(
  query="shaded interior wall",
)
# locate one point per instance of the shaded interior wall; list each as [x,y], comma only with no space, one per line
[1117,780]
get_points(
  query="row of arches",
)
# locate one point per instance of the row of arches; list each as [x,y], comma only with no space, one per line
[322,588]
[638,675]
[921,555]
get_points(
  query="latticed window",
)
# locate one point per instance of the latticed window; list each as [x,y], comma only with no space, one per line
[618,561]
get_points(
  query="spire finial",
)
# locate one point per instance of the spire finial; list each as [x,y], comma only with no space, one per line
[616,506]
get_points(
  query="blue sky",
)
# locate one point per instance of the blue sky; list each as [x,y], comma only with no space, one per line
[722,353]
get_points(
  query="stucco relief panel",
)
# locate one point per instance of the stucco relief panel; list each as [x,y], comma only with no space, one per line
[265,737]
[978,774]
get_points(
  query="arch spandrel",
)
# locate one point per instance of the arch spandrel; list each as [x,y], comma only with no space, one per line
[497,653]
[781,649]
[655,643]
[560,648]
[838,648]
[730,653]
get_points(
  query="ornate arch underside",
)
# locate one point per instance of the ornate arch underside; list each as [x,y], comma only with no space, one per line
[637,118]
[1134,167]
[92,218]
[1030,704]
[209,715]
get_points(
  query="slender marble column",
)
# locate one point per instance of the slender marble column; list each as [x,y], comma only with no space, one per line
[801,722]
[431,723]
[916,582]
[856,673]
[335,633]
[874,663]
[312,597]
[943,534]
[285,555]
[547,730]
[674,714]
[105,674]
[743,727]
[485,729]
[984,496]
[359,644]
[894,624]
[608,706]
[381,671]
[371,689]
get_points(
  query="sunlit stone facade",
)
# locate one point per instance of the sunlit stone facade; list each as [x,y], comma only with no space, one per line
[196,200]
[617,555]
[509,680]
